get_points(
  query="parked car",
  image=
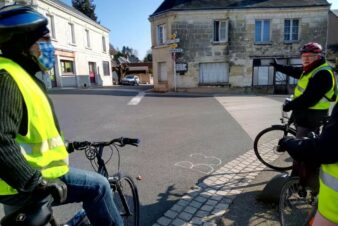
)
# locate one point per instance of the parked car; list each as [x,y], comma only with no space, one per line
[130,80]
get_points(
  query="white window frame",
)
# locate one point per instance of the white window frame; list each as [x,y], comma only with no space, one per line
[87,37]
[292,26]
[161,34]
[221,28]
[71,34]
[261,41]
[51,26]
[104,45]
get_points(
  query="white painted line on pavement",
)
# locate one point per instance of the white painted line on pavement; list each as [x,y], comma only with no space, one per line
[137,99]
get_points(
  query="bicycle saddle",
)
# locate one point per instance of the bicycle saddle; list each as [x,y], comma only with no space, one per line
[36,213]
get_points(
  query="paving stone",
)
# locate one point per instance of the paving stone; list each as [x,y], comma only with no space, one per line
[171,214]
[185,216]
[207,208]
[178,222]
[164,221]
[195,204]
[202,214]
[191,210]
[200,199]
[177,208]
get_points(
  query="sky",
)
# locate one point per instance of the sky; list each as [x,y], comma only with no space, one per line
[128,21]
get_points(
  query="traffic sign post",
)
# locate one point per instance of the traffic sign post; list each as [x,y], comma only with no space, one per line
[176,50]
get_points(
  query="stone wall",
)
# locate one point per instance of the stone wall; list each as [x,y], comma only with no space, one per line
[195,31]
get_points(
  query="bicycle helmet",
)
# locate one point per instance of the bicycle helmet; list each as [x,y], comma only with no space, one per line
[20,27]
[311,47]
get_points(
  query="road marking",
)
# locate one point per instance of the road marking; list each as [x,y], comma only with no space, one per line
[137,99]
[201,163]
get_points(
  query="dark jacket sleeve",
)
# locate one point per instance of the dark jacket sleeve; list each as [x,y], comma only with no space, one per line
[14,169]
[321,150]
[294,72]
[316,89]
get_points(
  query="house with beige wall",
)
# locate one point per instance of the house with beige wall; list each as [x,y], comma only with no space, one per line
[81,46]
[232,42]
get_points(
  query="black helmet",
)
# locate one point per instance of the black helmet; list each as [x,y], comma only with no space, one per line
[20,27]
[312,47]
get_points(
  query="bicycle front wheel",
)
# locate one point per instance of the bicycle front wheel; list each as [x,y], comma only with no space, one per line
[296,204]
[265,147]
[127,200]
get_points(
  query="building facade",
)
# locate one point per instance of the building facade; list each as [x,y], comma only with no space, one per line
[82,46]
[230,42]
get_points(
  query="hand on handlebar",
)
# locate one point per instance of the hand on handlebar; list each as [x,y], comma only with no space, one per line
[287,107]
[282,143]
[56,188]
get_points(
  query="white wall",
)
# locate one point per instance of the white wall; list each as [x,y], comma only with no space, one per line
[79,52]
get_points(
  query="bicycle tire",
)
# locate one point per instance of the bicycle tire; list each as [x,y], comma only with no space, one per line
[296,203]
[265,145]
[128,192]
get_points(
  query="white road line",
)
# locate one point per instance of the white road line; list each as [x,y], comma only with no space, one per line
[137,99]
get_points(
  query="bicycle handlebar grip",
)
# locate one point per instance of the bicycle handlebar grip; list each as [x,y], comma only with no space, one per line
[79,144]
[131,141]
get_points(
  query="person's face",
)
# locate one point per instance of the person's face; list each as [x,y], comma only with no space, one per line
[35,50]
[308,58]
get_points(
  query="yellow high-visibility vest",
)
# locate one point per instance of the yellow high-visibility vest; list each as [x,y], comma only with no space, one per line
[302,83]
[328,192]
[42,146]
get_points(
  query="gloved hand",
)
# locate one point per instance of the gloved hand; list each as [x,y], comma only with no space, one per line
[287,107]
[282,143]
[274,62]
[56,188]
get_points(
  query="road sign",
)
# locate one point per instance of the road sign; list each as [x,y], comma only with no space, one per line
[181,67]
[173,46]
[176,50]
[170,41]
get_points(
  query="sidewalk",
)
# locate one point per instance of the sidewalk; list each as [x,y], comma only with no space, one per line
[228,195]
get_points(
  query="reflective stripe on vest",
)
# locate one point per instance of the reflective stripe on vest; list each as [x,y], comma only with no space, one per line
[302,83]
[328,192]
[42,146]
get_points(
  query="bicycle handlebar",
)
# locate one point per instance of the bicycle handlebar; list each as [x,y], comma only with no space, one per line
[122,141]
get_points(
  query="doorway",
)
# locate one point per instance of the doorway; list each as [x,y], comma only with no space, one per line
[92,72]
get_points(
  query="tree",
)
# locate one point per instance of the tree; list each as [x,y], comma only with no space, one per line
[148,57]
[87,7]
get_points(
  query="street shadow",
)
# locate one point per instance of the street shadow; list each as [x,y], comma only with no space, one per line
[247,210]
[237,200]
[150,213]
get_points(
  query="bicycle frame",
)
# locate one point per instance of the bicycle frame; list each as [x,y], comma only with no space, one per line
[94,151]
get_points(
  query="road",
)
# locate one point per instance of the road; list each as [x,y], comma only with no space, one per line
[184,138]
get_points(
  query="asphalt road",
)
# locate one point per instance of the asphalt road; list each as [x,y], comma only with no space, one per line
[183,138]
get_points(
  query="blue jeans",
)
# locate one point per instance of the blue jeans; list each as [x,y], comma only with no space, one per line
[90,188]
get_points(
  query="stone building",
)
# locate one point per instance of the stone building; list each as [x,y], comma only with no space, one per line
[81,45]
[332,42]
[231,42]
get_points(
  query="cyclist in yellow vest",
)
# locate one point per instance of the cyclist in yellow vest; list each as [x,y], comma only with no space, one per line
[311,100]
[321,150]
[32,150]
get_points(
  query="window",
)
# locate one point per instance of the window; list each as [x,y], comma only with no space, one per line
[161,34]
[104,49]
[71,33]
[291,30]
[220,31]
[87,38]
[106,70]
[262,31]
[51,25]
[67,67]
